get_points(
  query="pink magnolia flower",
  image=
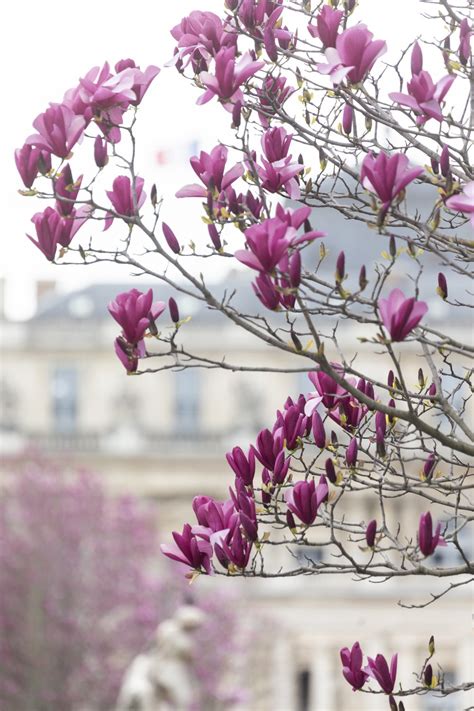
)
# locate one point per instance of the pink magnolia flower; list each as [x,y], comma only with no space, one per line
[267,241]
[352,666]
[278,171]
[400,315]
[327,25]
[53,229]
[353,56]
[425,97]
[427,540]
[305,498]
[272,95]
[387,176]
[126,198]
[59,129]
[190,550]
[464,202]
[200,36]
[66,190]
[229,77]
[134,310]
[30,161]
[328,392]
[209,167]
[378,669]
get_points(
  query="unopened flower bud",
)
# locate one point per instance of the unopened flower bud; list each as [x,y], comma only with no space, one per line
[351,453]
[392,246]
[170,237]
[370,532]
[434,164]
[442,289]
[290,521]
[431,646]
[432,390]
[362,278]
[390,378]
[340,267]
[428,675]
[428,467]
[215,237]
[421,378]
[347,119]
[391,403]
[236,114]
[173,309]
[153,195]
[444,162]
[330,471]
[393,703]
[319,433]
[100,152]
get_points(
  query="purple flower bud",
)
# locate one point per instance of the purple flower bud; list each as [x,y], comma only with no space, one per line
[416,59]
[319,433]
[390,378]
[173,309]
[442,289]
[267,481]
[370,533]
[290,520]
[362,278]
[391,403]
[236,114]
[340,267]
[427,540]
[330,471]
[444,162]
[100,152]
[351,453]
[434,164]
[352,666]
[170,237]
[215,237]
[465,33]
[432,390]
[429,465]
[392,703]
[428,675]
[347,119]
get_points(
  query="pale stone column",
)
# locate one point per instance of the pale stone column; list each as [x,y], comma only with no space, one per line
[282,670]
[322,679]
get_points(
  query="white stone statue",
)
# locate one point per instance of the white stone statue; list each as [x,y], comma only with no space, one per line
[162,678]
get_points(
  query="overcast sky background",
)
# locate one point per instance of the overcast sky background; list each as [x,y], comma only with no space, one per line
[48,46]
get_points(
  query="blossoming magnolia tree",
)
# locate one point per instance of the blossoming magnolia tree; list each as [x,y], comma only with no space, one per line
[80,596]
[320,120]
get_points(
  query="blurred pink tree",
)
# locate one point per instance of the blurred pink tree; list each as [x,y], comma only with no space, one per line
[81,595]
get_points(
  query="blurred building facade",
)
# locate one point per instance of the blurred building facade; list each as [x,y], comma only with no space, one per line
[164,436]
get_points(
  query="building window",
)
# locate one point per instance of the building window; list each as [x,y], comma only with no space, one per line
[306,555]
[64,399]
[188,400]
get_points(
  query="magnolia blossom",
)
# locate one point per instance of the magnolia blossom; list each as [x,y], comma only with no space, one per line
[352,666]
[464,202]
[387,176]
[400,315]
[305,498]
[427,539]
[190,550]
[66,190]
[272,95]
[209,167]
[229,77]
[424,96]
[379,670]
[30,161]
[126,198]
[133,310]
[59,129]
[353,56]
[327,26]
[200,36]
[53,229]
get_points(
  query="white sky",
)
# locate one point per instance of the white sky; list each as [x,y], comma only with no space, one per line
[49,45]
